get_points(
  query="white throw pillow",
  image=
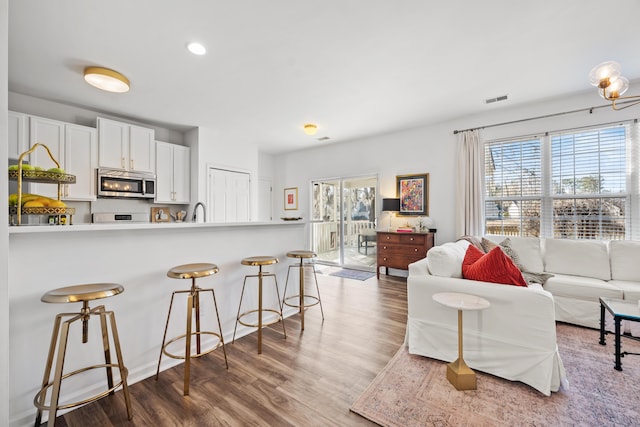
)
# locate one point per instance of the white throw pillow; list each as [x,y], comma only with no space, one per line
[529,253]
[446,260]
[625,260]
[586,258]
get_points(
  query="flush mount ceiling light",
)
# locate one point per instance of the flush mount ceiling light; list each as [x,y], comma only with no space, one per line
[196,48]
[106,79]
[611,85]
[310,129]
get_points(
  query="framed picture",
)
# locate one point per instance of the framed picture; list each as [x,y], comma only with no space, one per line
[291,199]
[160,214]
[413,192]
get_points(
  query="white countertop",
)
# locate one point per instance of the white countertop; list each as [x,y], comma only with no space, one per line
[21,229]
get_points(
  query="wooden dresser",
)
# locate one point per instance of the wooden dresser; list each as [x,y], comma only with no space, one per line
[398,250]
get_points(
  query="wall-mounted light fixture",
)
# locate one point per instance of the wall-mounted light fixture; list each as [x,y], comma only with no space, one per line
[611,84]
[106,79]
[310,129]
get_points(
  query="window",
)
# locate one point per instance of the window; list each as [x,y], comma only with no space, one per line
[563,185]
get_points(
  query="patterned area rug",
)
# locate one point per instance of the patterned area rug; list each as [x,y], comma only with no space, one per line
[413,391]
[353,274]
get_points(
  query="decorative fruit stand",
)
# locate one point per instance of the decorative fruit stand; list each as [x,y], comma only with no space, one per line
[41,176]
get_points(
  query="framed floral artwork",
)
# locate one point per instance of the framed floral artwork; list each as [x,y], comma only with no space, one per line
[291,199]
[413,192]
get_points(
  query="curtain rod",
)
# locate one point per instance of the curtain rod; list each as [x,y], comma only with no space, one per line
[589,109]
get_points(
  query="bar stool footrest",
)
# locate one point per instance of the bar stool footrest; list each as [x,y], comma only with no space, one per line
[264,310]
[36,400]
[194,355]
[315,301]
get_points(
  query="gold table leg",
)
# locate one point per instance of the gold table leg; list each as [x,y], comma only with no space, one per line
[458,373]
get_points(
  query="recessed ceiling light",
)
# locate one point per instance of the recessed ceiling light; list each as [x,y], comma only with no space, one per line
[106,79]
[196,48]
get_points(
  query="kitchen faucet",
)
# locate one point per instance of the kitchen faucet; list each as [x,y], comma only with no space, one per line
[195,210]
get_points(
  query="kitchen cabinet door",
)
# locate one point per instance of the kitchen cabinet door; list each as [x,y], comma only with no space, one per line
[113,144]
[173,173]
[125,146]
[50,133]
[142,149]
[81,160]
[74,147]
[164,172]
[182,174]
[17,138]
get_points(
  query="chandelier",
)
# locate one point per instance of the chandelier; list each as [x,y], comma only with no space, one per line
[611,84]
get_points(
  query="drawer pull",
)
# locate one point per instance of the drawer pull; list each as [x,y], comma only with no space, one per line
[387,237]
[415,250]
[412,239]
[384,259]
[384,247]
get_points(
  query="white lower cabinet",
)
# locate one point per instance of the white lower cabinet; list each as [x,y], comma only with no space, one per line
[173,173]
[75,147]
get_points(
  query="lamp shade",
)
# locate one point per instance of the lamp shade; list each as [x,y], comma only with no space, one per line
[390,205]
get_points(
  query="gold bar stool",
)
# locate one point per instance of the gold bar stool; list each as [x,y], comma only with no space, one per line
[303,301]
[260,261]
[83,294]
[193,272]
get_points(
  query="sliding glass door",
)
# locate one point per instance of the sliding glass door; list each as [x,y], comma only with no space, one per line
[344,221]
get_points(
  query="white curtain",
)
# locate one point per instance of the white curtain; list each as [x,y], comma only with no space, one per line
[470,184]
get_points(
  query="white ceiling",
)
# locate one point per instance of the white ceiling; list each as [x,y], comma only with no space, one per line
[354,67]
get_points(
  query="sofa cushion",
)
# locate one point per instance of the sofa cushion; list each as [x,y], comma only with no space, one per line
[625,260]
[494,267]
[446,260]
[529,253]
[581,288]
[530,277]
[631,290]
[587,258]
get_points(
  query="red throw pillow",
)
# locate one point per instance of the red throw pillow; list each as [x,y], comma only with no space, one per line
[494,267]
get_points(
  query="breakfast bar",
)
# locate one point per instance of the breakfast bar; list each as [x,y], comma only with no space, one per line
[137,256]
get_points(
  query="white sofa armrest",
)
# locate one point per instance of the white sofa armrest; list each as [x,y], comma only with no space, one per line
[419,268]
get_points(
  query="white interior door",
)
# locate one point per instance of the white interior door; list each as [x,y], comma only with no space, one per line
[229,195]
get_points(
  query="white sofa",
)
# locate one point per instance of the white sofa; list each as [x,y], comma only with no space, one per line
[515,338]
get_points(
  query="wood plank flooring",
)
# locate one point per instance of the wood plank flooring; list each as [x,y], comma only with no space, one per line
[310,378]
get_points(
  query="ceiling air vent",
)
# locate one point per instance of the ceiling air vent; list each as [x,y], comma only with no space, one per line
[324,138]
[496,99]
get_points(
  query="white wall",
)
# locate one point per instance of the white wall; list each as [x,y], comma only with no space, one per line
[430,149]
[4,232]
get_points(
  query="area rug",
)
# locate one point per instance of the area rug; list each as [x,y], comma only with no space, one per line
[353,274]
[413,391]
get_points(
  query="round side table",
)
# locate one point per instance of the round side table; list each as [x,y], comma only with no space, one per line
[458,373]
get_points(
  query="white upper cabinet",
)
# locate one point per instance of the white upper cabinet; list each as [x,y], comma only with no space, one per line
[125,146]
[173,173]
[75,147]
[18,135]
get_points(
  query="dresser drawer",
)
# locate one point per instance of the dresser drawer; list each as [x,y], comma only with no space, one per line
[398,250]
[402,249]
[403,238]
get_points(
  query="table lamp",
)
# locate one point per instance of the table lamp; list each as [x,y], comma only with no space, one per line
[390,205]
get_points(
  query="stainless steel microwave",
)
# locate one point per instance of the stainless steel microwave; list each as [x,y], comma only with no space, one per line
[126,184]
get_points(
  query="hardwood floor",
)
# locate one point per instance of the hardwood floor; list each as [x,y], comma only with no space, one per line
[311,378]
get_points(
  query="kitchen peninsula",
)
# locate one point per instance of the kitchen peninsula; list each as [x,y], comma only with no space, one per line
[137,256]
